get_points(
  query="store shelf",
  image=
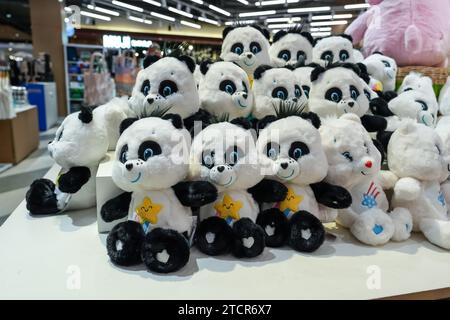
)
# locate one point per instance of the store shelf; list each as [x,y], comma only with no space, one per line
[47,257]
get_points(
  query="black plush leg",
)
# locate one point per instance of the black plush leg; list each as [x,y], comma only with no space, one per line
[41,197]
[124,243]
[275,226]
[214,236]
[165,250]
[249,239]
[306,232]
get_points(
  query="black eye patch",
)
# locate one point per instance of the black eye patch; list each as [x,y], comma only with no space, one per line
[237,48]
[145,89]
[123,157]
[227,86]
[280,93]
[148,149]
[298,149]
[233,155]
[167,87]
[285,55]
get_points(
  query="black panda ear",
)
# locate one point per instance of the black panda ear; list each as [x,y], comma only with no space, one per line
[126,123]
[280,34]
[312,118]
[260,71]
[189,62]
[347,36]
[242,122]
[175,119]
[149,60]
[308,37]
[264,122]
[204,66]
[380,107]
[265,33]
[226,31]
[317,72]
[85,114]
[388,95]
[363,74]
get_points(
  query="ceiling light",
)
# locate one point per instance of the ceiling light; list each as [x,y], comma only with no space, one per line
[94,15]
[258,13]
[274,2]
[180,12]
[321,34]
[210,21]
[320,29]
[230,23]
[107,11]
[198,1]
[190,24]
[330,17]
[357,6]
[128,6]
[281,25]
[243,2]
[328,23]
[217,9]
[139,20]
[162,16]
[311,9]
[293,19]
[155,3]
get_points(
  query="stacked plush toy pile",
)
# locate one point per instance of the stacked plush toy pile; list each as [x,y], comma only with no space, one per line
[291,135]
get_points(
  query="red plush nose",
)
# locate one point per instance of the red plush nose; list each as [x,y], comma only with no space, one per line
[368,164]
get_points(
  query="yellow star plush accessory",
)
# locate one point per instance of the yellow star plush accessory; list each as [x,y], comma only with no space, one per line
[148,211]
[228,208]
[291,202]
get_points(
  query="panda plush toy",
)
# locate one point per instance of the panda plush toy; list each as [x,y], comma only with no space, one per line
[416,81]
[225,90]
[333,49]
[225,154]
[354,163]
[274,85]
[79,145]
[338,89]
[248,46]
[383,69]
[303,74]
[150,164]
[291,153]
[291,46]
[420,162]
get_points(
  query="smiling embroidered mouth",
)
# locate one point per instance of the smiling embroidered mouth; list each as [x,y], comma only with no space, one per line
[248,65]
[364,174]
[137,179]
[287,177]
[241,105]
[226,184]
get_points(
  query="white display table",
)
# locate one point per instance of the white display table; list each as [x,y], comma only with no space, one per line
[64,257]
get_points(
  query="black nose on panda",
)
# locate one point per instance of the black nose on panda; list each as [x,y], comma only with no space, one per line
[220,168]
[249,55]
[351,104]
[150,100]
[245,95]
[284,165]
[129,166]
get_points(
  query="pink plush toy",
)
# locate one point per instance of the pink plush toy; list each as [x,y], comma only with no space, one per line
[413,32]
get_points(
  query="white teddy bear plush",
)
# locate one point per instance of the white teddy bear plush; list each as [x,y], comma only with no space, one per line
[417,81]
[291,46]
[383,69]
[444,99]
[354,163]
[224,90]
[418,158]
[338,48]
[248,46]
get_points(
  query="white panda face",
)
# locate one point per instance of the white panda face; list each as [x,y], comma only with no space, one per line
[79,144]
[303,76]
[274,86]
[416,81]
[382,68]
[151,154]
[415,105]
[290,150]
[225,155]
[167,83]
[225,89]
[333,49]
[338,91]
[289,49]
[417,151]
[351,154]
[247,47]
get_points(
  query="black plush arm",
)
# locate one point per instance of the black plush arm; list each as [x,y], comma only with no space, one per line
[268,191]
[331,196]
[195,193]
[116,208]
[74,179]
[202,117]
[373,123]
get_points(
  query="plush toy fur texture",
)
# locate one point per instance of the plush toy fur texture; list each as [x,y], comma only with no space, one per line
[333,49]
[420,160]
[413,32]
[248,46]
[354,163]
[225,90]
[303,75]
[358,57]
[274,85]
[290,47]
[337,90]
[444,99]
[167,84]
[382,68]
